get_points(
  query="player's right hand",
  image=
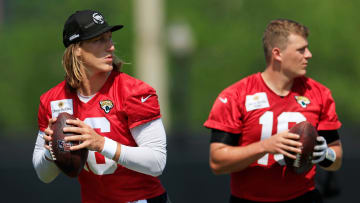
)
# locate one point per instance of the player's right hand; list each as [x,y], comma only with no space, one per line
[283,143]
[48,133]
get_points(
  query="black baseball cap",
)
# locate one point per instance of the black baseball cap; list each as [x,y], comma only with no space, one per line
[84,25]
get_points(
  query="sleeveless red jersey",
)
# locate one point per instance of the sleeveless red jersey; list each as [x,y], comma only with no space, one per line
[121,104]
[251,109]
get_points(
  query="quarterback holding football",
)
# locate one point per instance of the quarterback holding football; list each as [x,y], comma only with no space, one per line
[117,119]
[250,122]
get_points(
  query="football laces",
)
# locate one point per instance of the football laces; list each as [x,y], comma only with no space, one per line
[51,151]
[297,161]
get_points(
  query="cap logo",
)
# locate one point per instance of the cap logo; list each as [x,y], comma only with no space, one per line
[74,36]
[98,19]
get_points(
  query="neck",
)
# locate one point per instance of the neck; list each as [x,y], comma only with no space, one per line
[93,83]
[277,81]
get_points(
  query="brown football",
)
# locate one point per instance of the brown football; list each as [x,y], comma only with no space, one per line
[70,162]
[308,135]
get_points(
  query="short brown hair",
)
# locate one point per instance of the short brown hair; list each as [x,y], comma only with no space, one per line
[277,32]
[72,66]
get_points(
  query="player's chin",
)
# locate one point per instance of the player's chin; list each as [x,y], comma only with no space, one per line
[302,72]
[108,67]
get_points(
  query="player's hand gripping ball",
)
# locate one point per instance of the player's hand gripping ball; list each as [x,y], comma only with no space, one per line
[70,162]
[308,135]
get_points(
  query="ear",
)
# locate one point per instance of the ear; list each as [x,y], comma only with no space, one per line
[77,51]
[276,53]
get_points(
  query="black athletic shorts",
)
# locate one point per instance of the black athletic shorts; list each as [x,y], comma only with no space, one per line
[159,199]
[313,196]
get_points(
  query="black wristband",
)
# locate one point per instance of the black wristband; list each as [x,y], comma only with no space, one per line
[330,158]
[326,163]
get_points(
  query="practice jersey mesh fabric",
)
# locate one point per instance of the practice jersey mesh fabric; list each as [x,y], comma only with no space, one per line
[122,103]
[251,109]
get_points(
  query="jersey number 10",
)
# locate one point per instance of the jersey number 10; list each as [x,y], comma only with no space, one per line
[283,120]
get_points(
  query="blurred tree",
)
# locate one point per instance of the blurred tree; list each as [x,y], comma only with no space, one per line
[32,49]
[228,47]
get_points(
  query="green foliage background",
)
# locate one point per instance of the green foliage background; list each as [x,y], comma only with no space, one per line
[228,47]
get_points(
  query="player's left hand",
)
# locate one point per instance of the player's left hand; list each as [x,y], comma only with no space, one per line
[319,150]
[86,135]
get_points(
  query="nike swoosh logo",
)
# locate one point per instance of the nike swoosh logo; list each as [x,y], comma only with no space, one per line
[223,100]
[144,99]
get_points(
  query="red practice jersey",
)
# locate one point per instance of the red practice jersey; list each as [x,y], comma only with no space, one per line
[122,103]
[251,109]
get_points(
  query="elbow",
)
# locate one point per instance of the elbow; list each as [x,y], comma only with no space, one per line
[160,165]
[44,179]
[156,173]
[38,171]
[46,174]
[219,160]
[216,168]
[336,166]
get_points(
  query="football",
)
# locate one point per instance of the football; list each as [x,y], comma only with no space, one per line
[69,162]
[308,135]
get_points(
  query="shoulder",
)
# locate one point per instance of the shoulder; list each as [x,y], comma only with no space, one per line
[56,90]
[55,100]
[313,85]
[232,98]
[139,100]
[242,86]
[130,85]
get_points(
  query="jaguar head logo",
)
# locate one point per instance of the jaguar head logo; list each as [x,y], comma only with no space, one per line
[106,105]
[303,101]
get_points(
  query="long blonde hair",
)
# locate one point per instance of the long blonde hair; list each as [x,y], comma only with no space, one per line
[72,66]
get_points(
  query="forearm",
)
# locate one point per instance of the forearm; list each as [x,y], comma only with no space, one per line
[143,159]
[46,170]
[226,159]
[149,157]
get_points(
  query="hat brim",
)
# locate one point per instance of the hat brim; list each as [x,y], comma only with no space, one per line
[106,29]
[116,27]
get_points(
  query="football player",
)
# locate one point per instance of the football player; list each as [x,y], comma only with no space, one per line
[119,119]
[249,123]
